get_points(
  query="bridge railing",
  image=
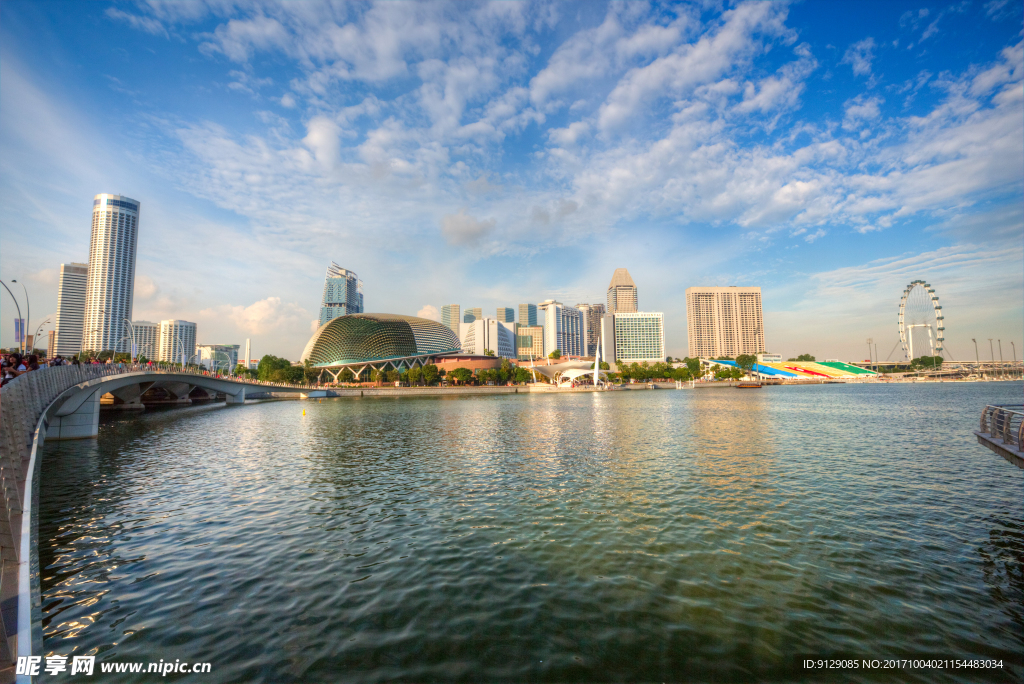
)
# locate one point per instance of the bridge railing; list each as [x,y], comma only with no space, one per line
[1005,423]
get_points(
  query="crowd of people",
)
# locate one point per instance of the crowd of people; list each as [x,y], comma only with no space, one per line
[14,364]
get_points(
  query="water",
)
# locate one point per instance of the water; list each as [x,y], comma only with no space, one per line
[624,536]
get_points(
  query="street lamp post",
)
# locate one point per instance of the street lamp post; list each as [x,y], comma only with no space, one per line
[35,335]
[18,307]
[28,311]
[991,349]
[976,357]
[1014,352]
[1000,351]
[131,330]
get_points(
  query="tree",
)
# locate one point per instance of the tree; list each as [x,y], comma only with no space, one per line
[521,375]
[557,354]
[746,362]
[377,375]
[309,374]
[461,375]
[804,357]
[414,375]
[346,375]
[488,352]
[270,363]
[393,376]
[505,372]
[430,374]
[693,365]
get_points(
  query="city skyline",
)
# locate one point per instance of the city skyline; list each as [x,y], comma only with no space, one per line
[835,166]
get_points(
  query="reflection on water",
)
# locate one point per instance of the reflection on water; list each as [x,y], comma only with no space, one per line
[653,536]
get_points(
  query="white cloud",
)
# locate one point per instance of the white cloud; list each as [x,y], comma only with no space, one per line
[429,311]
[859,56]
[262,317]
[860,110]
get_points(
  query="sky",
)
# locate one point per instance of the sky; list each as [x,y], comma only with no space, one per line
[499,153]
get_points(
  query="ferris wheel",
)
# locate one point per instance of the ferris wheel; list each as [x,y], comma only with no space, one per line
[920,311]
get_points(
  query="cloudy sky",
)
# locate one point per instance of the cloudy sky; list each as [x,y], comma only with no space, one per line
[493,154]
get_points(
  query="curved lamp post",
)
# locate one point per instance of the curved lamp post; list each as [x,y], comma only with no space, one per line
[35,336]
[18,307]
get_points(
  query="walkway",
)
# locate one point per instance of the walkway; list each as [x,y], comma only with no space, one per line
[1002,431]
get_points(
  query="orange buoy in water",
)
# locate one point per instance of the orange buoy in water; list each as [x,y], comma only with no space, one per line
[303,411]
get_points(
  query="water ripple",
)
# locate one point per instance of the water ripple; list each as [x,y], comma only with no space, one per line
[631,536]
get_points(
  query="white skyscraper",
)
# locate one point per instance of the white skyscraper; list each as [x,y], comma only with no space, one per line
[70,308]
[488,334]
[147,339]
[177,341]
[564,328]
[111,281]
[639,336]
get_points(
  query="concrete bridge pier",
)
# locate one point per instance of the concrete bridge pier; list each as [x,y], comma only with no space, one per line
[179,391]
[238,398]
[82,423]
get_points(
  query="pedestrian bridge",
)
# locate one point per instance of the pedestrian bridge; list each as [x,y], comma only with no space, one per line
[63,402]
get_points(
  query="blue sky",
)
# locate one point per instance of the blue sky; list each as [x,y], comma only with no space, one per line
[493,154]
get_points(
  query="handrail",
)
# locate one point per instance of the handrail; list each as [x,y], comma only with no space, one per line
[1005,423]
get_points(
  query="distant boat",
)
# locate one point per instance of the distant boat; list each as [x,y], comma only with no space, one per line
[748,385]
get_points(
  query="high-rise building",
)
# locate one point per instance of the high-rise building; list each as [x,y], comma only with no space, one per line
[724,321]
[593,314]
[110,284]
[506,314]
[147,339]
[177,342]
[51,344]
[622,293]
[451,317]
[488,334]
[222,357]
[70,308]
[639,337]
[564,328]
[473,315]
[343,294]
[529,342]
[527,314]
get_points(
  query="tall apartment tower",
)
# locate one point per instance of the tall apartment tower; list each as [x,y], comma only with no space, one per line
[622,293]
[506,314]
[147,339]
[111,281]
[343,294]
[451,317]
[594,313]
[70,309]
[177,341]
[564,328]
[724,321]
[528,314]
[473,315]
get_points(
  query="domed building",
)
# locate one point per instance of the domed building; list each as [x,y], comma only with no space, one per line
[370,340]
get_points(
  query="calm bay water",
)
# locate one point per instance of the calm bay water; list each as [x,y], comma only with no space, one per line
[623,536]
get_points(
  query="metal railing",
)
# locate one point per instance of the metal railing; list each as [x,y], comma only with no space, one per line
[1005,423]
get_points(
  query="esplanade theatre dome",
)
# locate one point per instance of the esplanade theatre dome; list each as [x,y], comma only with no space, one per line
[371,338]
